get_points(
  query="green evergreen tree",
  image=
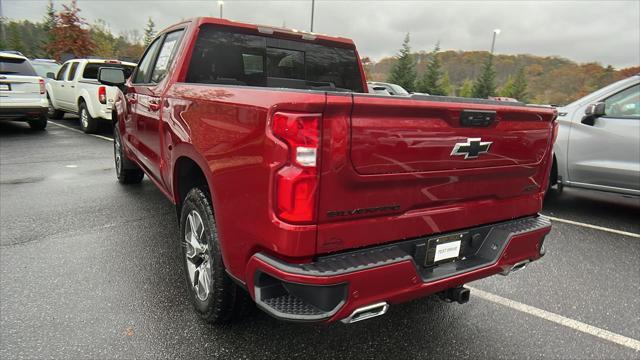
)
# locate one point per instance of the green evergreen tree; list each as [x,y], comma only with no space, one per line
[431,80]
[104,41]
[485,85]
[149,32]
[516,86]
[403,72]
[14,39]
[445,85]
[48,23]
[466,90]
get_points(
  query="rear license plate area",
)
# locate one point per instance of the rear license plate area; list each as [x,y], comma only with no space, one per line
[443,249]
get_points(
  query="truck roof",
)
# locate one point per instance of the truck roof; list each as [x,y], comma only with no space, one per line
[270,30]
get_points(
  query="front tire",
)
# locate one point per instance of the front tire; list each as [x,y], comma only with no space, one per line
[127,171]
[52,113]
[88,124]
[38,124]
[214,295]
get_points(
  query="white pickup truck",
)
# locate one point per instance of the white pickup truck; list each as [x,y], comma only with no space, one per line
[76,89]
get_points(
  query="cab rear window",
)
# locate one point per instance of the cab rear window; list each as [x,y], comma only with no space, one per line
[16,66]
[91,70]
[221,56]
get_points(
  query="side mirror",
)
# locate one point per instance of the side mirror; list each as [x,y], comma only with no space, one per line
[111,76]
[51,75]
[592,112]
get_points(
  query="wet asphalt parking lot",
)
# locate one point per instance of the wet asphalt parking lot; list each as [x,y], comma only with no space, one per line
[91,269]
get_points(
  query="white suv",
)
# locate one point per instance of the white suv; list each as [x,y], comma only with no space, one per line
[76,89]
[22,92]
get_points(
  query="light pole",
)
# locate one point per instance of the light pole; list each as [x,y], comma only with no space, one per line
[313,6]
[221,4]
[493,42]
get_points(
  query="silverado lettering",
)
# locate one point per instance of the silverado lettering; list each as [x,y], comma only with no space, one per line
[257,133]
[363,211]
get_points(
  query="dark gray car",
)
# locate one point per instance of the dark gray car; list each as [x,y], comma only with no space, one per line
[598,144]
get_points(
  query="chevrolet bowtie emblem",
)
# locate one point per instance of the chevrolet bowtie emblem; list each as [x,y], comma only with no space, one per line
[472,148]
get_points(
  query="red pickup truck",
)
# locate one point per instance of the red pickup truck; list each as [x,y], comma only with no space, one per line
[322,201]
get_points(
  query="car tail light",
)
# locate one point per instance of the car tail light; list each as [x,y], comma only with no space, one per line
[102,94]
[296,183]
[42,87]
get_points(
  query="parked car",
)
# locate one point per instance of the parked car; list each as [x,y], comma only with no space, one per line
[22,91]
[45,68]
[598,144]
[76,90]
[293,184]
[392,89]
[380,90]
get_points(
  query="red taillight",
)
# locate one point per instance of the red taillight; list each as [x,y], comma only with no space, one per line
[297,182]
[102,94]
[42,87]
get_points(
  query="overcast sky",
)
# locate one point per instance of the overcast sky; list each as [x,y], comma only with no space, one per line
[604,31]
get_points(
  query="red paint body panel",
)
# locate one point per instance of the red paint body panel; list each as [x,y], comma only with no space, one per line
[374,151]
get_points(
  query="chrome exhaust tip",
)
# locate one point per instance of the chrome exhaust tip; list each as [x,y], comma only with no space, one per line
[366,312]
[517,266]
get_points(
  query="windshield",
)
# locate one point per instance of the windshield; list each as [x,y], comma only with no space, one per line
[601,92]
[15,66]
[91,70]
[224,57]
[42,68]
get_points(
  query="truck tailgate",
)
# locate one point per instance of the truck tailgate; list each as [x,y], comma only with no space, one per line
[397,168]
[399,135]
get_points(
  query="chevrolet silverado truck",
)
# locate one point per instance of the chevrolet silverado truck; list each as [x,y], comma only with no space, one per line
[75,89]
[319,200]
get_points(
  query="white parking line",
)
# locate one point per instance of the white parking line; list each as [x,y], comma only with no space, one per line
[602,228]
[559,319]
[81,132]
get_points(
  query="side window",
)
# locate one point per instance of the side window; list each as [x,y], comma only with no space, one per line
[166,55]
[144,67]
[72,71]
[624,104]
[61,72]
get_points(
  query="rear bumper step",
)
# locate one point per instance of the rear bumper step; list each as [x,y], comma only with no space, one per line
[334,287]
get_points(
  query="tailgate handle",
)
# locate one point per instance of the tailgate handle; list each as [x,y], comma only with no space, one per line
[477,118]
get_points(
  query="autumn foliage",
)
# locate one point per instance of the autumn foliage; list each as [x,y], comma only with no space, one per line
[549,79]
[69,34]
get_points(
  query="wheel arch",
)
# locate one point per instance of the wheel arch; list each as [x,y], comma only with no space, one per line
[86,99]
[50,94]
[187,174]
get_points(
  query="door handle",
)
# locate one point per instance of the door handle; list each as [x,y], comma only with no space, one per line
[61,85]
[73,87]
[154,106]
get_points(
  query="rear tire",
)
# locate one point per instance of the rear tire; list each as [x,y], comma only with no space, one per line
[127,171]
[216,298]
[88,124]
[38,124]
[52,113]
